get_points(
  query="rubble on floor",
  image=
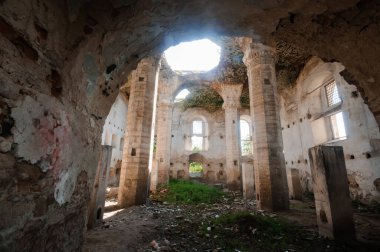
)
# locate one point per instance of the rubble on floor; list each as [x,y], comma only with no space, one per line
[232,224]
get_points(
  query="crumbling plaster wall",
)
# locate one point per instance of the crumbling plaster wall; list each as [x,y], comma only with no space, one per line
[304,126]
[69,57]
[51,116]
[114,131]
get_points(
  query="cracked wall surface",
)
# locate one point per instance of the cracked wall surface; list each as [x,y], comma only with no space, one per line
[63,62]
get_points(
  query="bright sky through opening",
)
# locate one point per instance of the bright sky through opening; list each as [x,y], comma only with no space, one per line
[244,130]
[198,56]
[181,95]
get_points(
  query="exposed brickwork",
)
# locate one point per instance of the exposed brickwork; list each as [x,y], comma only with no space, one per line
[164,122]
[269,164]
[135,165]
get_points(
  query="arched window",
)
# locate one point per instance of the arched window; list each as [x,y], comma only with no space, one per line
[197,135]
[245,138]
[181,95]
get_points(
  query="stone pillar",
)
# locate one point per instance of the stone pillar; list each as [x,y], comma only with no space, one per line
[270,175]
[164,127]
[248,178]
[332,197]
[231,96]
[133,188]
[98,197]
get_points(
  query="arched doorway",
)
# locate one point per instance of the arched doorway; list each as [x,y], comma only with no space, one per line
[196,165]
[195,170]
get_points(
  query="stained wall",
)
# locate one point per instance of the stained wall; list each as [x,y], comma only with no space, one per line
[306,122]
[113,134]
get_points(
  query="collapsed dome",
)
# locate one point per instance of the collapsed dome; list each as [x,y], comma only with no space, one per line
[195,56]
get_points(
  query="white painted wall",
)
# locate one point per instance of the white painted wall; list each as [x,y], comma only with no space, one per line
[215,152]
[114,130]
[300,109]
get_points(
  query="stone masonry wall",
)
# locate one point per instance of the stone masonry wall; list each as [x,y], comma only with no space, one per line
[214,157]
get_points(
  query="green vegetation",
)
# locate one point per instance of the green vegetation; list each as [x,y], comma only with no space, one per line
[187,192]
[246,148]
[207,98]
[244,231]
[196,167]
[203,97]
[196,149]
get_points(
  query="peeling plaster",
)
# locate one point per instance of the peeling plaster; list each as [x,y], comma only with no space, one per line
[41,125]
[65,187]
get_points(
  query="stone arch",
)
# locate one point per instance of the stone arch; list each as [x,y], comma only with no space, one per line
[199,159]
[196,157]
[80,70]
[185,85]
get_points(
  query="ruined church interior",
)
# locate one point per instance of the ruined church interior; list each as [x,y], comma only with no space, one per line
[161,125]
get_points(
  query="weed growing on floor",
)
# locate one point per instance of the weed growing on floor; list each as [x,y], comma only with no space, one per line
[187,192]
[246,231]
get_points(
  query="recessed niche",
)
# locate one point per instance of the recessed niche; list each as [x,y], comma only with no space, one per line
[133,152]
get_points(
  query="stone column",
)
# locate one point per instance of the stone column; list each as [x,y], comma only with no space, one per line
[164,128]
[248,178]
[98,197]
[270,175]
[133,188]
[231,96]
[332,197]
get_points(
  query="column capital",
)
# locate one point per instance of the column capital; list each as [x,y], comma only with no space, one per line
[258,53]
[230,93]
[146,64]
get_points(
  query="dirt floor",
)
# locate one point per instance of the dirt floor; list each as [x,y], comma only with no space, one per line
[166,227]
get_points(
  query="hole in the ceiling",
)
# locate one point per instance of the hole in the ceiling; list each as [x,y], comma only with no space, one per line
[195,56]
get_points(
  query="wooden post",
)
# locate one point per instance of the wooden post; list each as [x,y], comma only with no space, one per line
[332,199]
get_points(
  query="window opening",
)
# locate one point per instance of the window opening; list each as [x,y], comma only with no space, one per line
[245,138]
[195,170]
[337,124]
[332,94]
[197,135]
[181,95]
